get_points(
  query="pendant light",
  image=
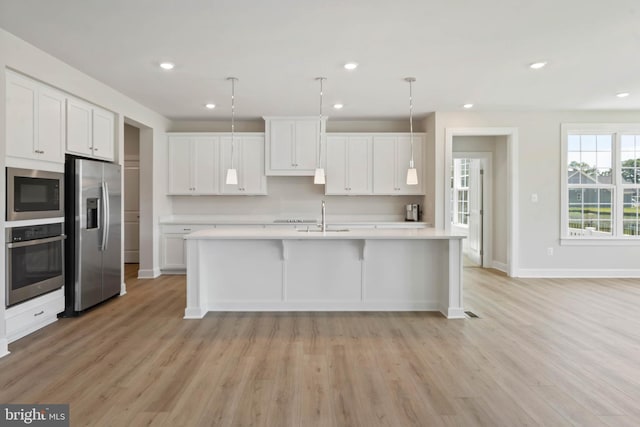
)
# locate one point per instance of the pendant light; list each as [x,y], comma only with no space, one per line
[412,173]
[232,173]
[318,176]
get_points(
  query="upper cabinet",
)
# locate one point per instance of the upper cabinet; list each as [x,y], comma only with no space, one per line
[248,160]
[35,126]
[291,145]
[391,156]
[349,165]
[198,164]
[90,130]
[193,165]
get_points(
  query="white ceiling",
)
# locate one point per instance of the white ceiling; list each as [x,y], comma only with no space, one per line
[460,52]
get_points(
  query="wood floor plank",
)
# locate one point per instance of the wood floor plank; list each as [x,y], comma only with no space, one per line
[543,352]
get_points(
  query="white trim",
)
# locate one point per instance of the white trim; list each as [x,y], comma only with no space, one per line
[500,266]
[148,274]
[123,289]
[600,241]
[194,313]
[329,305]
[442,193]
[4,347]
[579,273]
[455,313]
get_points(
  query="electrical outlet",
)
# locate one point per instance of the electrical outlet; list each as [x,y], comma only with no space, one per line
[534,198]
[550,251]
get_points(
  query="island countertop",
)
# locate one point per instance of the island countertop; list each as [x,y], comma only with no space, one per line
[332,233]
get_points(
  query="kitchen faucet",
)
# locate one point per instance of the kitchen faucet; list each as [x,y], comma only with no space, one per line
[324,218]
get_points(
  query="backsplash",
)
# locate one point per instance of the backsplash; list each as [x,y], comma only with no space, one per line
[292,197]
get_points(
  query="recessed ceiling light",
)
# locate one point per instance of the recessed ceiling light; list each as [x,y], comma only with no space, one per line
[351,66]
[467,106]
[622,94]
[537,65]
[338,106]
[210,106]
[167,65]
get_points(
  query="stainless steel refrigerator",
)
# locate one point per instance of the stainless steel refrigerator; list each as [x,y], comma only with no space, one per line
[93,221]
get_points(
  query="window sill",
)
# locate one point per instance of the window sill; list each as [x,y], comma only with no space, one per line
[600,241]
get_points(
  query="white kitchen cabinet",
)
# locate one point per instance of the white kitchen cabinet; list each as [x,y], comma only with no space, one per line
[90,130]
[35,114]
[172,245]
[391,155]
[291,145]
[248,160]
[193,165]
[29,316]
[349,165]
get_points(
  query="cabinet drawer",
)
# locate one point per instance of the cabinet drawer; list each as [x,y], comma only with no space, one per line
[185,228]
[34,314]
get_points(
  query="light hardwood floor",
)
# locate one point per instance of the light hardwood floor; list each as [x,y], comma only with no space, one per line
[542,352]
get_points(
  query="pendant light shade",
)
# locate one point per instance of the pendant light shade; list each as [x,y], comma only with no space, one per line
[318,176]
[412,173]
[232,173]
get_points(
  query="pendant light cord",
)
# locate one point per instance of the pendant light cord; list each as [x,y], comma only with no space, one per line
[319,162]
[233,114]
[411,80]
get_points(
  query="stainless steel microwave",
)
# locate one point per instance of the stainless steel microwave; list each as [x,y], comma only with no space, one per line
[34,194]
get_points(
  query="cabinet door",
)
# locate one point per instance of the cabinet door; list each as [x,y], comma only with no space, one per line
[384,165]
[21,116]
[103,133]
[251,176]
[180,170]
[336,147]
[358,162]
[306,145]
[79,130]
[403,155]
[205,165]
[51,125]
[281,145]
[173,252]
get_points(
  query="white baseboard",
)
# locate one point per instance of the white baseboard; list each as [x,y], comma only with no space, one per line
[501,266]
[123,289]
[578,273]
[331,305]
[148,274]
[4,347]
[194,313]
[455,313]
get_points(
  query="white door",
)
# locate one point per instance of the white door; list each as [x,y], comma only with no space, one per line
[131,211]
[474,238]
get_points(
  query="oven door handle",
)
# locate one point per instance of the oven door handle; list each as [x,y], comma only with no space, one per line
[35,242]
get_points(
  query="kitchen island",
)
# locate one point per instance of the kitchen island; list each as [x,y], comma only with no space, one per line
[238,269]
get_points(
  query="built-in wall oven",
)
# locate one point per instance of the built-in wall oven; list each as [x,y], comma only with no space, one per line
[34,194]
[34,261]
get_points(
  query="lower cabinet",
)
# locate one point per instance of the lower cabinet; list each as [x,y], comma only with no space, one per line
[173,257]
[29,316]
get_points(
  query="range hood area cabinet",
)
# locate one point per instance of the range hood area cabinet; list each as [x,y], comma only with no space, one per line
[291,145]
[198,164]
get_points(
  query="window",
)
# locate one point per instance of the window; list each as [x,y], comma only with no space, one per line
[460,191]
[601,185]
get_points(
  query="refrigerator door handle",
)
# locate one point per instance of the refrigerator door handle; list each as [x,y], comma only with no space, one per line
[105,216]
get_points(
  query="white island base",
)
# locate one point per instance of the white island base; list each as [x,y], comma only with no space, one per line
[357,270]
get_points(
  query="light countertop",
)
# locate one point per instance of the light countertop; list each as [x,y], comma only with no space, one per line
[333,233]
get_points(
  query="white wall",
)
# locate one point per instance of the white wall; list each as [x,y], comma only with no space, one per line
[22,57]
[540,173]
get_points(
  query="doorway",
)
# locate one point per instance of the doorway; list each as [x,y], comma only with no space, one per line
[471,205]
[131,194]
